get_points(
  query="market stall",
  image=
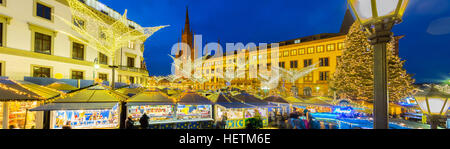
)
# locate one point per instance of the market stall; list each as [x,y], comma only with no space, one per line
[159,107]
[229,109]
[16,98]
[61,86]
[316,104]
[95,107]
[261,107]
[130,91]
[193,110]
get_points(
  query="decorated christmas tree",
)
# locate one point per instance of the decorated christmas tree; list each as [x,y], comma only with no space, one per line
[353,78]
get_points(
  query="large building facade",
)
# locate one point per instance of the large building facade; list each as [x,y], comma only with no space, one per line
[34,43]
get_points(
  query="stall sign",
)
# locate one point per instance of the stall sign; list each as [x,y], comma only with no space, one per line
[235,124]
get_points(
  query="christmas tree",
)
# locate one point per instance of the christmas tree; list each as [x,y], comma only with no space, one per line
[353,78]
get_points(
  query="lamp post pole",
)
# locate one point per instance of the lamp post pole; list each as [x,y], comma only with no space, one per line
[379,39]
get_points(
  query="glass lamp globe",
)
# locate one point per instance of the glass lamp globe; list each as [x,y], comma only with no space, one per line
[372,11]
[433,101]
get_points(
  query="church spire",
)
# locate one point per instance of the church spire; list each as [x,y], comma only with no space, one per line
[186,24]
[347,22]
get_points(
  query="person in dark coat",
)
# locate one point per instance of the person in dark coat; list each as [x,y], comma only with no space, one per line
[129,124]
[144,121]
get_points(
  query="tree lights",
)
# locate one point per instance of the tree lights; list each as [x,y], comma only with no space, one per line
[378,17]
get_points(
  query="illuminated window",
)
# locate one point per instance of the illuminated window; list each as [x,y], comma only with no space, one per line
[308,77]
[43,11]
[319,49]
[286,53]
[77,75]
[310,50]
[43,72]
[324,75]
[102,58]
[42,43]
[323,62]
[301,51]
[77,51]
[294,52]
[331,47]
[130,44]
[340,46]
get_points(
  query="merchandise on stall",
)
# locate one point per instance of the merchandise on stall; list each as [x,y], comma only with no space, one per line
[192,112]
[86,119]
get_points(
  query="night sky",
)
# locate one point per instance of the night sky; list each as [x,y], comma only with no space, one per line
[426,26]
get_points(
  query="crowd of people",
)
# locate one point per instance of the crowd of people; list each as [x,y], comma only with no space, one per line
[297,119]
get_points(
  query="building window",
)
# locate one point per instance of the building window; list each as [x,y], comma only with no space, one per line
[79,23]
[1,35]
[102,58]
[77,51]
[130,61]
[102,35]
[323,62]
[281,64]
[1,69]
[308,77]
[43,11]
[43,72]
[310,50]
[301,51]
[42,43]
[340,46]
[77,75]
[294,64]
[1,2]
[103,76]
[330,47]
[324,75]
[285,53]
[319,49]
[294,52]
[307,62]
[130,44]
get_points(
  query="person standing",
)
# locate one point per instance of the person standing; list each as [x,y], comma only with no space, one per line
[129,124]
[144,121]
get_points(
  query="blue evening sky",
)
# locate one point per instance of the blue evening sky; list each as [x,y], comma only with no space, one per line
[426,27]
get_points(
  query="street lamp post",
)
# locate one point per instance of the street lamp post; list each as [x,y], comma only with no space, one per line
[378,17]
[433,103]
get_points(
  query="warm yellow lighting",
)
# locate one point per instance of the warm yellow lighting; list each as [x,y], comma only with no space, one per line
[104,36]
[59,76]
[372,11]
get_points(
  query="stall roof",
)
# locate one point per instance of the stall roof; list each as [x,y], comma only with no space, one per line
[276,99]
[252,100]
[41,90]
[150,97]
[128,91]
[94,97]
[191,98]
[98,93]
[13,90]
[293,100]
[230,102]
[315,101]
[72,106]
[62,86]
